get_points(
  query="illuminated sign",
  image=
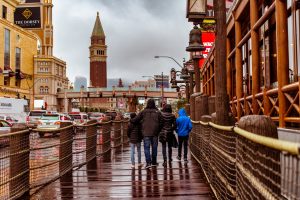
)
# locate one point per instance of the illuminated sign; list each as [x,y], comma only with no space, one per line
[28,17]
[208,39]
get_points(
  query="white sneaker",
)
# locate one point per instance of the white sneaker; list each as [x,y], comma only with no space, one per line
[140,164]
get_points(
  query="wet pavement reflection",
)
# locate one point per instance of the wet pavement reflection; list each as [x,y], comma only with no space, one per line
[111,177]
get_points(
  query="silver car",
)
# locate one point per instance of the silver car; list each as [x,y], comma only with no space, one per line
[51,122]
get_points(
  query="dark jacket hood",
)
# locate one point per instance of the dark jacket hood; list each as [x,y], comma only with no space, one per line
[182,112]
[151,104]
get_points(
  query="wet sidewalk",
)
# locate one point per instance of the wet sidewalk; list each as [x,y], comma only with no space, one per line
[111,177]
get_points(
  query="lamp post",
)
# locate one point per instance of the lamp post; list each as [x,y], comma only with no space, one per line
[162,87]
[196,47]
[171,59]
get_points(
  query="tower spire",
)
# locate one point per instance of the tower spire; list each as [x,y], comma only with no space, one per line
[98,29]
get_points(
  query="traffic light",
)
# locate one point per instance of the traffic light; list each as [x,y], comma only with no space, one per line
[100,94]
[124,95]
[88,95]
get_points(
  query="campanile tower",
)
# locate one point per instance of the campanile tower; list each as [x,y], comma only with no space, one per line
[98,56]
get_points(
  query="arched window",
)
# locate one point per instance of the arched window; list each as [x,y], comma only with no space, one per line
[41,89]
[46,90]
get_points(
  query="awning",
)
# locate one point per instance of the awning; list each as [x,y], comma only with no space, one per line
[8,71]
[19,74]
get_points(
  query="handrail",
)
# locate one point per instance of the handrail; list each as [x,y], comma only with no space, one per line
[223,128]
[51,130]
[15,133]
[280,145]
[277,144]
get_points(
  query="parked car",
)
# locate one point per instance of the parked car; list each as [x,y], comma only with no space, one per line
[33,117]
[111,114]
[52,122]
[97,116]
[5,127]
[78,117]
[9,119]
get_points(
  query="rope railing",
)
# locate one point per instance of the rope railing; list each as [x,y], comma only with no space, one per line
[29,162]
[239,164]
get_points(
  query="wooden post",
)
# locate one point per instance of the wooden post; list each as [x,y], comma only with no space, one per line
[239,68]
[228,68]
[65,149]
[264,126]
[222,100]
[282,56]
[193,107]
[201,106]
[255,55]
[197,74]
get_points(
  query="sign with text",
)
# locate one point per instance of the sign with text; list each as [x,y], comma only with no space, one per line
[28,17]
[208,39]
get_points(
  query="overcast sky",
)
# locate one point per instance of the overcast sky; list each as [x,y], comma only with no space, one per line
[136,31]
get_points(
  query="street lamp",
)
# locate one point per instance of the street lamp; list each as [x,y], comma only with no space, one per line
[162,87]
[196,10]
[196,47]
[171,59]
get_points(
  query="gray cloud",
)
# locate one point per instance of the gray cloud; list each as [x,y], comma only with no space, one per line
[136,31]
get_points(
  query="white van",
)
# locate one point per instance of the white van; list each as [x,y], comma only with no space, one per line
[16,108]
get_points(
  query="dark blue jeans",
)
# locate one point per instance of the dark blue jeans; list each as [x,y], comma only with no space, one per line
[183,140]
[150,142]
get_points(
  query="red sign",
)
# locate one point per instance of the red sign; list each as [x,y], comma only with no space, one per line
[208,39]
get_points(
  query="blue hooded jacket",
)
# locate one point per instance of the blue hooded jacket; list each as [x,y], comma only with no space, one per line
[184,123]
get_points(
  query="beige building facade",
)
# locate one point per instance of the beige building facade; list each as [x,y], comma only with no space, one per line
[49,71]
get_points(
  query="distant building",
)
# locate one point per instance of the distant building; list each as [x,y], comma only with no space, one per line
[49,71]
[140,84]
[98,56]
[79,82]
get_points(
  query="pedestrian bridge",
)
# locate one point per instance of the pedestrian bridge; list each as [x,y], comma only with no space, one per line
[93,161]
[118,92]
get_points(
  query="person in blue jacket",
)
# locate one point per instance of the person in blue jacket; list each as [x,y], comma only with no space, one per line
[184,127]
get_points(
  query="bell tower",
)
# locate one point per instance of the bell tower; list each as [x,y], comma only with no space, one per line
[98,56]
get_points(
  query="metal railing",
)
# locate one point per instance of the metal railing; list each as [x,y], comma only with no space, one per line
[243,165]
[29,162]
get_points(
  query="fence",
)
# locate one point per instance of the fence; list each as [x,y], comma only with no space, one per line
[29,162]
[242,165]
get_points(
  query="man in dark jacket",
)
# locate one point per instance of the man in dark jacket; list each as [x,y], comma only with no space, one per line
[151,120]
[135,136]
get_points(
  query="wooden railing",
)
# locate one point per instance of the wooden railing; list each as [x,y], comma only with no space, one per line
[28,162]
[242,165]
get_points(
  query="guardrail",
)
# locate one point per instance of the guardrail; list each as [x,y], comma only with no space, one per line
[242,165]
[30,162]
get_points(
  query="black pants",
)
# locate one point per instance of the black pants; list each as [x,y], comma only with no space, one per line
[184,140]
[164,150]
